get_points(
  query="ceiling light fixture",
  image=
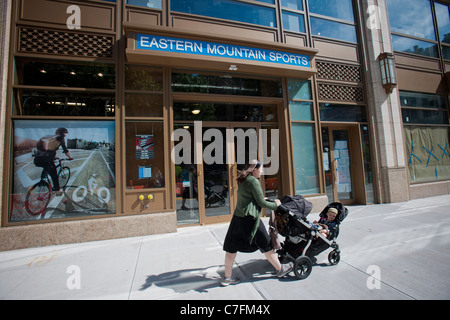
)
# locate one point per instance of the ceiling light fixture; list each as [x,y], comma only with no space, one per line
[233,67]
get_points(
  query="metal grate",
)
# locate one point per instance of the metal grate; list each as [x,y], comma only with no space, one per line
[331,92]
[65,43]
[340,72]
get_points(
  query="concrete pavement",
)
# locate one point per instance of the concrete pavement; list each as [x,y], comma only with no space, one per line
[390,251]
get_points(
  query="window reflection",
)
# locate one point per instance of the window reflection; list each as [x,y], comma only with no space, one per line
[421,100]
[224,112]
[155,4]
[416,20]
[293,22]
[65,74]
[414,46]
[228,9]
[143,78]
[342,112]
[305,159]
[339,9]
[332,29]
[225,84]
[443,20]
[51,103]
[292,4]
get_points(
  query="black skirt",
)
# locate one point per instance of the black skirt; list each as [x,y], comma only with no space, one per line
[238,236]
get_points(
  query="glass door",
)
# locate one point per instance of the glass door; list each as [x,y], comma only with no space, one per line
[337,164]
[213,142]
[217,174]
[225,149]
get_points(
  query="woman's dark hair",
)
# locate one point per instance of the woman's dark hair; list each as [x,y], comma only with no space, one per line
[248,169]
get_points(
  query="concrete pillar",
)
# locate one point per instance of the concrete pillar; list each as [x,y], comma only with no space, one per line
[384,112]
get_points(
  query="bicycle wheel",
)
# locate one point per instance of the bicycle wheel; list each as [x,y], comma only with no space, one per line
[37,198]
[63,176]
[81,197]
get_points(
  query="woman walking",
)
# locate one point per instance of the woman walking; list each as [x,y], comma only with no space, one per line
[246,233]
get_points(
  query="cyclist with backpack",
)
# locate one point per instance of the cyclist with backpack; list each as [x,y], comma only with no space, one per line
[46,153]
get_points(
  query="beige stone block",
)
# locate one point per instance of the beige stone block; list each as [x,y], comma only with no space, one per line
[19,237]
[162,223]
[60,233]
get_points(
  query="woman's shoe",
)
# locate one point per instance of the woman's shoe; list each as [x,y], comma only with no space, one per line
[285,269]
[229,281]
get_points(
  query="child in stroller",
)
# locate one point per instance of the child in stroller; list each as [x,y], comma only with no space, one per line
[304,240]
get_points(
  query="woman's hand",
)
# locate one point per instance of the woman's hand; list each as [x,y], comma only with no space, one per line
[278,202]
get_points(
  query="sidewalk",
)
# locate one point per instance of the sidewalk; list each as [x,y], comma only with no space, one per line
[405,246]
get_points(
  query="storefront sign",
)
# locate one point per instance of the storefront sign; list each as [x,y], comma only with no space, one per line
[202,48]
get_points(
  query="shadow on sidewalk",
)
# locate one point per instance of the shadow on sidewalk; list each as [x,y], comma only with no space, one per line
[200,280]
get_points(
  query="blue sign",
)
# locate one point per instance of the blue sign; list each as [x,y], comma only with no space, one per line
[203,48]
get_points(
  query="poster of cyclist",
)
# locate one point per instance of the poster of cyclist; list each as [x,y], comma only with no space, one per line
[62,169]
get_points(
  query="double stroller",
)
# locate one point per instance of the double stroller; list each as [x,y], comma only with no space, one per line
[303,240]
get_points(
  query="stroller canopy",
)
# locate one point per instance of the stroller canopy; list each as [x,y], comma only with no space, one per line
[298,205]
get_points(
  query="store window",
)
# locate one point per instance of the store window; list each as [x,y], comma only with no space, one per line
[44,88]
[303,137]
[255,13]
[220,83]
[63,140]
[154,4]
[412,27]
[443,22]
[425,124]
[145,154]
[332,19]
[293,15]
[144,127]
[86,184]
[342,112]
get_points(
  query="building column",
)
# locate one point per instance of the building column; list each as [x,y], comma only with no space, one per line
[5,29]
[384,112]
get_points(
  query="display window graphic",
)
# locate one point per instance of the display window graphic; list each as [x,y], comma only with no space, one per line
[144,147]
[41,152]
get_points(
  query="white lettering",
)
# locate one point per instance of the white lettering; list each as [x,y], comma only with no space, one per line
[162,43]
[373,21]
[211,50]
[154,43]
[144,42]
[305,61]
[180,45]
[74,281]
[171,43]
[221,50]
[198,47]
[272,56]
[73,21]
[374,280]
[188,45]
[261,55]
[215,147]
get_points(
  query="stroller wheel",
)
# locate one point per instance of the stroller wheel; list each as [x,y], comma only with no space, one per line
[302,267]
[334,257]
